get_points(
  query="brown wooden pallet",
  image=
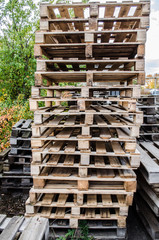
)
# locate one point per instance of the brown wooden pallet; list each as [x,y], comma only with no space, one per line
[129,91]
[95,50]
[116,113]
[104,147]
[84,133]
[84,184]
[130,129]
[83,200]
[84,173]
[80,24]
[83,161]
[86,65]
[89,214]
[83,104]
[39,154]
[78,213]
[47,10]
[76,210]
[130,35]
[95,76]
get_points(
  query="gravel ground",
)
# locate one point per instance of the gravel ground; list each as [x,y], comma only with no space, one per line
[13,204]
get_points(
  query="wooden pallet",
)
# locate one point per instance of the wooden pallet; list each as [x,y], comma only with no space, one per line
[21,228]
[83,104]
[16,168]
[149,220]
[95,50]
[47,10]
[97,230]
[105,148]
[148,194]
[129,91]
[3,157]
[88,214]
[83,137]
[149,165]
[86,65]
[88,117]
[21,182]
[84,162]
[97,76]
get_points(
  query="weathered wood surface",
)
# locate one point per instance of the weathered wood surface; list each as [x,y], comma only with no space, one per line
[32,228]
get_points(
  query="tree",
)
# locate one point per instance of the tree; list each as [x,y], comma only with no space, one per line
[19,21]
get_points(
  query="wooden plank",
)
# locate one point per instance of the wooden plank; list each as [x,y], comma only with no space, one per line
[114,162]
[37,228]
[60,212]
[12,228]
[122,134]
[105,173]
[124,173]
[27,124]
[99,161]
[65,133]
[104,213]
[56,120]
[150,166]
[69,160]
[73,109]
[70,121]
[117,148]
[47,199]
[105,133]
[19,123]
[112,120]
[106,200]
[56,146]
[99,120]
[90,213]
[71,147]
[91,200]
[61,172]
[62,199]
[149,146]
[46,212]
[100,148]
[101,109]
[121,200]
[54,160]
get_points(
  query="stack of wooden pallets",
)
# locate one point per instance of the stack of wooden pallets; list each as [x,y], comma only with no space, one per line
[16,167]
[150,127]
[147,197]
[83,138]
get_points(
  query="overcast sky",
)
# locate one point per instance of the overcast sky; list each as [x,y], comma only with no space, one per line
[152,45]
